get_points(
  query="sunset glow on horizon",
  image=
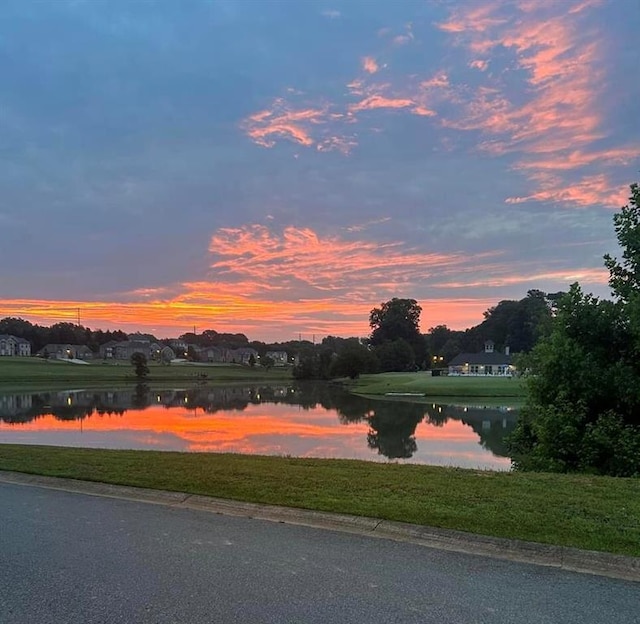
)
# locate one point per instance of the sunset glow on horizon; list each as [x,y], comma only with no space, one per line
[279,169]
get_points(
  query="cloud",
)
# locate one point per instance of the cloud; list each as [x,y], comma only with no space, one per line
[369,65]
[379,101]
[281,122]
[480,64]
[364,226]
[561,116]
[298,258]
[567,276]
[587,191]
[330,125]
[331,13]
[277,283]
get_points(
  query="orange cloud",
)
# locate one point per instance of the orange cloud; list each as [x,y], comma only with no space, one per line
[588,191]
[264,127]
[476,18]
[300,256]
[325,127]
[278,285]
[562,118]
[369,65]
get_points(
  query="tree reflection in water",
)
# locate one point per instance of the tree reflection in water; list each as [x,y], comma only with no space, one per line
[392,423]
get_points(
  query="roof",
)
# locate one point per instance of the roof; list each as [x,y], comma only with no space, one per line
[481,358]
[14,338]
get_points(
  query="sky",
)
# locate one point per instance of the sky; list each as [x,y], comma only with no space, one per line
[279,168]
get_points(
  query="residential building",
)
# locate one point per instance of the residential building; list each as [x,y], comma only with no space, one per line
[243,355]
[125,349]
[280,358]
[487,362]
[13,346]
[66,351]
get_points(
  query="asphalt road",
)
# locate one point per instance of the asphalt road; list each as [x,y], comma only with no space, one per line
[70,558]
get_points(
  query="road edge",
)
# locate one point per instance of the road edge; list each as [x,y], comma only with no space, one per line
[563,557]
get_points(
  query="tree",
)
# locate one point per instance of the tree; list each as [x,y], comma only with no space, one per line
[192,354]
[267,362]
[139,363]
[583,407]
[399,319]
[354,359]
[624,277]
[395,356]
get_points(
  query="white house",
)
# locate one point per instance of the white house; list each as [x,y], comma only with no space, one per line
[487,362]
[14,346]
[280,358]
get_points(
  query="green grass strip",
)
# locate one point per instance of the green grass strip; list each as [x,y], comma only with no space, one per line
[437,387]
[23,374]
[595,513]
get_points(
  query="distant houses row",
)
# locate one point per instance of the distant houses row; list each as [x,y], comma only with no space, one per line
[487,362]
[14,346]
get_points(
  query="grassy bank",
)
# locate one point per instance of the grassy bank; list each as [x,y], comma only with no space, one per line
[596,513]
[26,373]
[437,387]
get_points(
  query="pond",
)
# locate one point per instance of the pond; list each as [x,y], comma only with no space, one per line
[307,420]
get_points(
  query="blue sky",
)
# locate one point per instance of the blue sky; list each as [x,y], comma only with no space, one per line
[279,168]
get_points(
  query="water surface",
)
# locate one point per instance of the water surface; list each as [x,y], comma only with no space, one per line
[313,420]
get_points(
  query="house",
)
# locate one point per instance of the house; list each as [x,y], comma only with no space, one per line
[14,346]
[178,345]
[125,349]
[65,351]
[487,362]
[107,350]
[214,354]
[243,355]
[280,358]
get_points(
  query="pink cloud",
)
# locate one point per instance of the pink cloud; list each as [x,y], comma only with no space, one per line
[562,117]
[325,127]
[568,276]
[264,127]
[588,191]
[277,283]
[300,257]
[369,65]
[439,81]
[553,131]
[480,64]
[476,18]
[379,101]
[306,126]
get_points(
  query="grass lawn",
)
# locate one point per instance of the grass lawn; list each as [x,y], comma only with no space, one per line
[595,513]
[441,387]
[26,373]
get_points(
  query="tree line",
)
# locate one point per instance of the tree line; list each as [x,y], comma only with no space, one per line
[395,337]
[396,343]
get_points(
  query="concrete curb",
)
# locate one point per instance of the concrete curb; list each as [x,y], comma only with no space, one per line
[565,558]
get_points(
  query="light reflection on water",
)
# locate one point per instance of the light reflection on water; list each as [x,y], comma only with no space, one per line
[313,420]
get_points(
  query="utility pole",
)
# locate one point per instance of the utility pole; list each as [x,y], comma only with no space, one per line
[78,317]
